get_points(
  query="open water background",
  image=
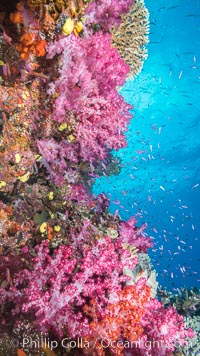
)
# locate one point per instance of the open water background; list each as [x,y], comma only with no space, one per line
[160,179]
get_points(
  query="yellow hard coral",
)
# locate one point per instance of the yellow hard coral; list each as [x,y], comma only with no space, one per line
[78,28]
[62,126]
[17,158]
[43,227]
[2,184]
[24,177]
[51,196]
[68,27]
[57,228]
[71,138]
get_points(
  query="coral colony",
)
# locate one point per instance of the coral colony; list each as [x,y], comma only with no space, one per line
[74,279]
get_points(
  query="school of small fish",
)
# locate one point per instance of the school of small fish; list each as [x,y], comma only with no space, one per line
[150,182]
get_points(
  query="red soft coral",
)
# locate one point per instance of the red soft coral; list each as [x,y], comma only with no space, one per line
[135,324]
[121,320]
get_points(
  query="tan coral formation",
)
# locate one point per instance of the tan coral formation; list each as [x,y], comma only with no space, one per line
[131,37]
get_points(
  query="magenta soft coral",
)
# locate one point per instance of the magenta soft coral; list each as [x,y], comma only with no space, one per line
[90,72]
[132,235]
[107,13]
[58,285]
[164,329]
[105,63]
[89,66]
[101,130]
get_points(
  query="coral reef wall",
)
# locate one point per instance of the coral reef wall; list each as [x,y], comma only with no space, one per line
[74,279]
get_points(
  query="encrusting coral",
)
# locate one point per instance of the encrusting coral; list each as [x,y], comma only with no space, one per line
[131,37]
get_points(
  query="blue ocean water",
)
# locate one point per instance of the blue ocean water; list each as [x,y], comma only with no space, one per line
[160,182]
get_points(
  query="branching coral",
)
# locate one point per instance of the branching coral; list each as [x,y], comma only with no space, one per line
[143,269]
[131,37]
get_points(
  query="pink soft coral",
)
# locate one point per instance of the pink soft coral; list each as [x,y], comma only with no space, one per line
[91,70]
[131,234]
[107,13]
[58,285]
[164,329]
